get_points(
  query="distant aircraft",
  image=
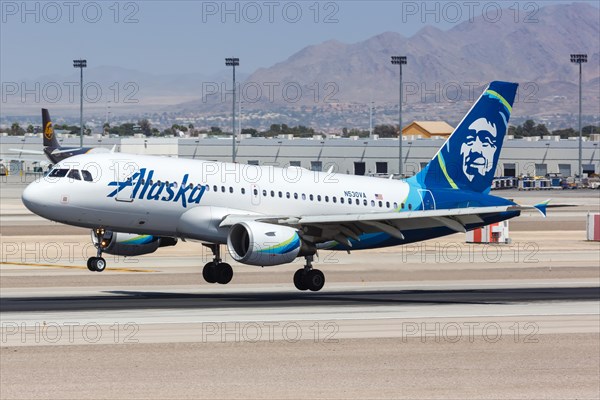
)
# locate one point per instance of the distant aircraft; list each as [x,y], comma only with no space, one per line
[270,216]
[52,149]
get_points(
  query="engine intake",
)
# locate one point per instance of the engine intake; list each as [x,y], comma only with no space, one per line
[258,243]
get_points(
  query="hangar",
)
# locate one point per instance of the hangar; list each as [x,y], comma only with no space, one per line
[534,156]
[428,129]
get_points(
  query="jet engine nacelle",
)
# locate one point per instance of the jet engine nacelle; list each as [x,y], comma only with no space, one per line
[258,243]
[131,244]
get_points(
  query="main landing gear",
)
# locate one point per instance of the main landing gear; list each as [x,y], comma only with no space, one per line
[217,271]
[308,278]
[97,264]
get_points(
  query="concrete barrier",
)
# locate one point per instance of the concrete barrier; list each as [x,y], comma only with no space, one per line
[493,233]
[593,227]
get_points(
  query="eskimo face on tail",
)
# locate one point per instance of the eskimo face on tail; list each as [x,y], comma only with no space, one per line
[468,159]
[479,149]
[478,140]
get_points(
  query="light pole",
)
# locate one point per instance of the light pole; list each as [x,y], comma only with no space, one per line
[107,112]
[371,120]
[81,64]
[107,122]
[240,117]
[400,61]
[233,62]
[580,59]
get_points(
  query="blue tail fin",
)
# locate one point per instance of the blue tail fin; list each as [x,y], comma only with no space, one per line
[468,159]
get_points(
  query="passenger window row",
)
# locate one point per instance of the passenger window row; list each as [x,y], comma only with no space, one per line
[310,197]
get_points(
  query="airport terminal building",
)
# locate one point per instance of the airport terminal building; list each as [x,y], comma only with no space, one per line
[360,156]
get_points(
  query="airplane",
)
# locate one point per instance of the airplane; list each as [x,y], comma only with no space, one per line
[52,149]
[268,216]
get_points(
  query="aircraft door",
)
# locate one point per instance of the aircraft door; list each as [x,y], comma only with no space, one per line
[126,192]
[255,193]
[427,199]
[126,176]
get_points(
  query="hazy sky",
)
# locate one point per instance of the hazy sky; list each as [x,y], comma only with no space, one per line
[39,38]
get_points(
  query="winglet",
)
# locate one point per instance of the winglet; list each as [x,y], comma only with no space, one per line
[541,207]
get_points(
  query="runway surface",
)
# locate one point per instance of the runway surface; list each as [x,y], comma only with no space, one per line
[182,315]
[484,341]
[352,297]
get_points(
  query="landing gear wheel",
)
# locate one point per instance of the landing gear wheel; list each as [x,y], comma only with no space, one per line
[217,271]
[99,264]
[209,272]
[315,280]
[299,280]
[224,273]
[308,278]
[96,264]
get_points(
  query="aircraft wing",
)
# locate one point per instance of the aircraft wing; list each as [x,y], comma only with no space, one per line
[42,159]
[26,151]
[342,227]
[27,155]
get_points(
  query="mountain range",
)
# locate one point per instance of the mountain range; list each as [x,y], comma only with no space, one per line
[445,70]
[471,52]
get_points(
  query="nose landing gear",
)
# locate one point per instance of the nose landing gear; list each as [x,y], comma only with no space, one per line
[97,264]
[217,271]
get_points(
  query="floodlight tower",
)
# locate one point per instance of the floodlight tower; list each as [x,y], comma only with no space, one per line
[371,120]
[400,61]
[579,59]
[81,64]
[233,62]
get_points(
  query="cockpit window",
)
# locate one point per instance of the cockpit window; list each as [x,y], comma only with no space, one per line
[86,175]
[58,173]
[74,174]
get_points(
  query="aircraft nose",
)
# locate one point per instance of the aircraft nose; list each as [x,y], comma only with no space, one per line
[32,197]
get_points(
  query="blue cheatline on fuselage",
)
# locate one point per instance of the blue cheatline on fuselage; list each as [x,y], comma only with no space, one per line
[380,239]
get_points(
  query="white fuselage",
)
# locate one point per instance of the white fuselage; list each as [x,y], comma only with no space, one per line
[154,201]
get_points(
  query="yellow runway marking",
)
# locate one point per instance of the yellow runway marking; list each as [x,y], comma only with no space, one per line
[75,267]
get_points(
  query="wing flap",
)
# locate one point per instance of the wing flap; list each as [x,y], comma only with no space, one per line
[451,223]
[383,227]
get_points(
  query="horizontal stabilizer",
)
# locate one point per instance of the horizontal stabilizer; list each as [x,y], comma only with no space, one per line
[541,207]
[26,151]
